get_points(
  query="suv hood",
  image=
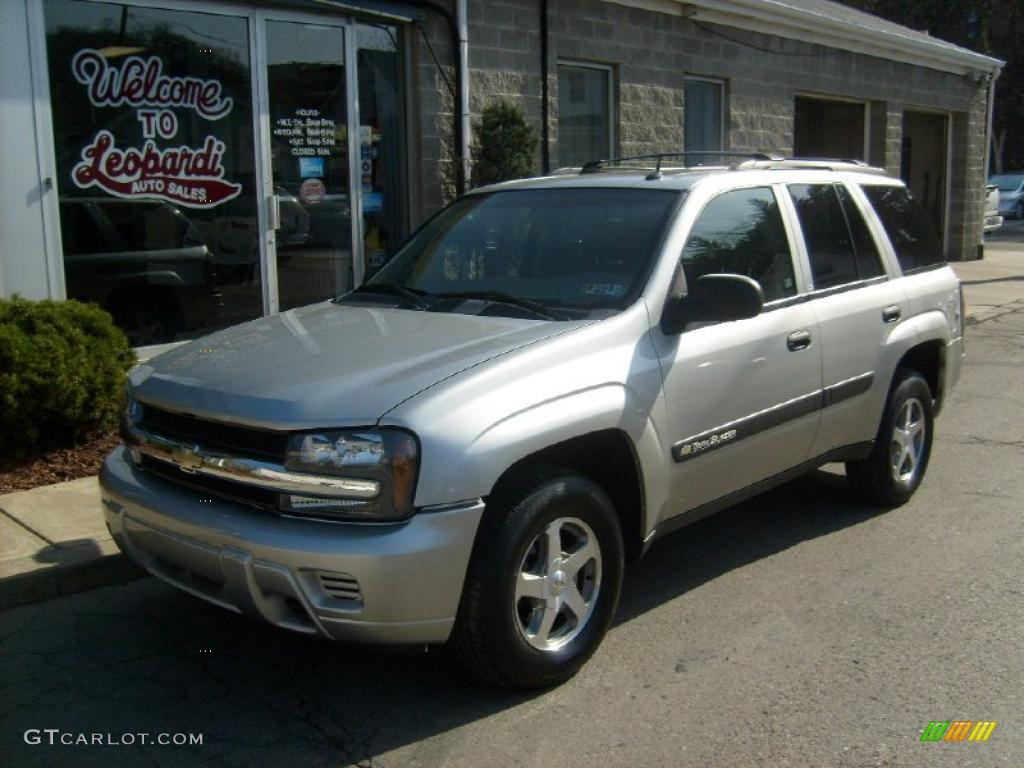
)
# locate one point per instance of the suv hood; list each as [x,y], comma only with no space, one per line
[327,365]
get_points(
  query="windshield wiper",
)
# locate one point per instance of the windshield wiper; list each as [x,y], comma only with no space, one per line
[410,295]
[499,297]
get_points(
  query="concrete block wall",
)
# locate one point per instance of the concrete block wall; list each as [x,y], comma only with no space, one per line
[651,53]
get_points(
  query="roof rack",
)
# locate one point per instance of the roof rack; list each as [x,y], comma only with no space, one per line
[594,166]
[813,163]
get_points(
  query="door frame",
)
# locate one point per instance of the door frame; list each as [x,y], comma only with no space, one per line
[347,27]
[947,163]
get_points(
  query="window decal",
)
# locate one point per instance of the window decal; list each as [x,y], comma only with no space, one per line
[187,175]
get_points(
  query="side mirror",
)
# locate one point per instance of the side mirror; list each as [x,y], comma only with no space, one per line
[717,298]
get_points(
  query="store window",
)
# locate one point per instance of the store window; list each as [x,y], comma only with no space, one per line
[585,124]
[703,124]
[153,131]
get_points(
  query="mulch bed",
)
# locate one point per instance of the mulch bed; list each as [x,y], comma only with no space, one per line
[58,465]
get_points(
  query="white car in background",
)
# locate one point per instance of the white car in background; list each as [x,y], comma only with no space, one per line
[1011,193]
[993,220]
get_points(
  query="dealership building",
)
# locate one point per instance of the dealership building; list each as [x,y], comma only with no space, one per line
[191,164]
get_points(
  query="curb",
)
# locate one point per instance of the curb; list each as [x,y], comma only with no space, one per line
[48,583]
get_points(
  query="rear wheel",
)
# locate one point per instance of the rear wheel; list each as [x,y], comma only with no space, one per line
[543,582]
[898,461]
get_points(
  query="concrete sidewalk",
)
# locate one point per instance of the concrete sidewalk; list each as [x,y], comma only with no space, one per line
[53,540]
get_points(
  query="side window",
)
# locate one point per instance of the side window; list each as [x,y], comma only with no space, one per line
[741,233]
[829,245]
[869,260]
[911,234]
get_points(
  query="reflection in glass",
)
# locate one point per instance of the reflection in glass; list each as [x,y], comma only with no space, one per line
[380,115]
[741,233]
[309,150]
[152,117]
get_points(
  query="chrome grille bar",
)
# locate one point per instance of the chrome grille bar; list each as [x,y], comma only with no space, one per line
[194,459]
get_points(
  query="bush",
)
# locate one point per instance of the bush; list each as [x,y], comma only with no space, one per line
[62,374]
[503,145]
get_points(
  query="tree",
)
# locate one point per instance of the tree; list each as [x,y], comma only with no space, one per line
[503,145]
[992,27]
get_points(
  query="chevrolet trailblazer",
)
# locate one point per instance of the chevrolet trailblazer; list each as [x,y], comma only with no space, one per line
[549,375]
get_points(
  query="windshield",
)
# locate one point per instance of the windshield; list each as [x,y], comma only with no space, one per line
[571,248]
[1007,182]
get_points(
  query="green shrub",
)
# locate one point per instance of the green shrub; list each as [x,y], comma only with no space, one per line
[62,374]
[503,145]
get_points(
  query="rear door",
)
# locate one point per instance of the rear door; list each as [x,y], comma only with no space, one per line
[743,397]
[857,304]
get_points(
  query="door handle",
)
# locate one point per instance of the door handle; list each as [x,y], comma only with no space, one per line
[891,313]
[273,212]
[798,340]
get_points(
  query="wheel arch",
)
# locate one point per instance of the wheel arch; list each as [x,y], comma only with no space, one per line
[609,458]
[927,358]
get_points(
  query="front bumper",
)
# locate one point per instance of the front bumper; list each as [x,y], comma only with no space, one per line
[375,583]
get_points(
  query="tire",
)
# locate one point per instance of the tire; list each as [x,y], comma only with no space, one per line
[519,624]
[1019,214]
[897,463]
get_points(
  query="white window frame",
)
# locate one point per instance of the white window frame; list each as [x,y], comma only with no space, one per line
[722,112]
[612,105]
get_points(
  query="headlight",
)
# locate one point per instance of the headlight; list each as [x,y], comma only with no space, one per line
[387,459]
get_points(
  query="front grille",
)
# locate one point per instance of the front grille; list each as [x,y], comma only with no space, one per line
[251,442]
[226,489]
[340,586]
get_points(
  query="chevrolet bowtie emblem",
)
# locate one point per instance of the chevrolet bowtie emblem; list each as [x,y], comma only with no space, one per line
[187,458]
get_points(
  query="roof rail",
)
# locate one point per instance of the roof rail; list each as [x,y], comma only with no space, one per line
[813,163]
[594,166]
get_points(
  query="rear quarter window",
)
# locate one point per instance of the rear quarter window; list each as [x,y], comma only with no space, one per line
[908,227]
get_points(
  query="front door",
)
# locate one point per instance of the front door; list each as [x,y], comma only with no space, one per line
[743,397]
[307,116]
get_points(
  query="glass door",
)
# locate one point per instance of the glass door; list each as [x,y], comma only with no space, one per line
[307,106]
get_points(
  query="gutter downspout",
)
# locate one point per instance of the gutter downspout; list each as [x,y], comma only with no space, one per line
[545,130]
[992,77]
[465,132]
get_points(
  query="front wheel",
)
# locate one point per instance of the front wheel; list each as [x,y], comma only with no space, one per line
[543,581]
[897,463]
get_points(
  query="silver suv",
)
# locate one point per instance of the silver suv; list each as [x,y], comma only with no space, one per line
[548,376]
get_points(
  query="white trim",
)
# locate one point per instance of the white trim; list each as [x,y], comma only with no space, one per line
[264,174]
[775,17]
[46,152]
[612,104]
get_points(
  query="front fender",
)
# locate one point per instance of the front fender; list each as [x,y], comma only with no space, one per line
[513,438]
[475,426]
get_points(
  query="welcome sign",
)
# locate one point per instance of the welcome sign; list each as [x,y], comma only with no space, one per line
[186,175]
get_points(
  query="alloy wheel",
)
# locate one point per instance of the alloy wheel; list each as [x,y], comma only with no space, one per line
[557,584]
[908,440]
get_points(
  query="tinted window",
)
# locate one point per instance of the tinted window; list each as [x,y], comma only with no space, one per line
[741,233]
[869,261]
[909,230]
[576,248]
[823,222]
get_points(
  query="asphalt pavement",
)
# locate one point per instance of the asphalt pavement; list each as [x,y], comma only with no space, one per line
[802,628]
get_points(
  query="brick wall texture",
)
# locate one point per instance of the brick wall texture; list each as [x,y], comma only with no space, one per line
[651,54]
